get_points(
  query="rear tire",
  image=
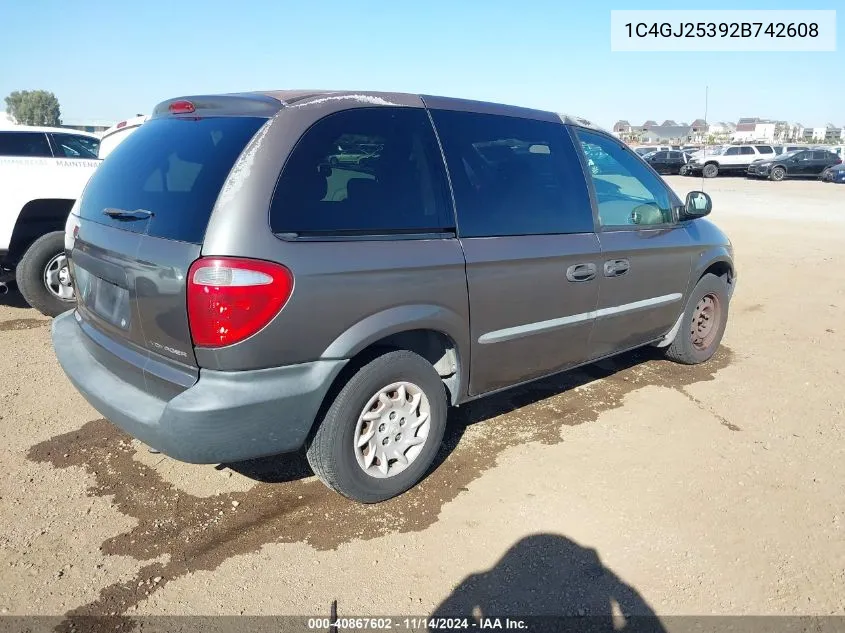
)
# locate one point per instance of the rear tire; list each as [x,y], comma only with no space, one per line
[711,170]
[335,452]
[32,272]
[703,322]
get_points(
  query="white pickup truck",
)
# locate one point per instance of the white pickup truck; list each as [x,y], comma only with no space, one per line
[42,173]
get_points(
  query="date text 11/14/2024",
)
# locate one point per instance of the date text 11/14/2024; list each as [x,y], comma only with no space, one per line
[415,624]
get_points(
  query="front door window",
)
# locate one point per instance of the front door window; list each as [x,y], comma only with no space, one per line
[628,194]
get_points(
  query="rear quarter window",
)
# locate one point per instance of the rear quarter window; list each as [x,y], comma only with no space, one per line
[364,171]
[172,167]
[27,144]
[73,146]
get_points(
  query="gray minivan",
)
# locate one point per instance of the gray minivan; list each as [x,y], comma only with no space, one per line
[244,288]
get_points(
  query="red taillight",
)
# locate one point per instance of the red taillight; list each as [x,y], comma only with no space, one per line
[121,124]
[230,299]
[181,107]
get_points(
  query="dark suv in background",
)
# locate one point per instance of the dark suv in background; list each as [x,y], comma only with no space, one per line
[802,163]
[245,289]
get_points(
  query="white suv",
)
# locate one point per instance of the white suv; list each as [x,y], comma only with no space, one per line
[734,159]
[118,133]
[42,173]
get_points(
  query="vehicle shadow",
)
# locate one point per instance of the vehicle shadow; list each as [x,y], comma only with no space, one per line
[552,584]
[295,466]
[13,298]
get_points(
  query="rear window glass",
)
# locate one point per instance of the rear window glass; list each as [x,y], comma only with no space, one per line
[173,168]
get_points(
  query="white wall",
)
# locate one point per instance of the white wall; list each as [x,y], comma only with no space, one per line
[764,132]
[6,120]
[744,135]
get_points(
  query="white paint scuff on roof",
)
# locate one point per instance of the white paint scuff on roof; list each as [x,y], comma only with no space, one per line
[359,98]
[240,173]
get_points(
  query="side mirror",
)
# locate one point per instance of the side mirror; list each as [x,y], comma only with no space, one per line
[697,205]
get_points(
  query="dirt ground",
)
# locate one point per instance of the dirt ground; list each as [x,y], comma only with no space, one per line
[664,489]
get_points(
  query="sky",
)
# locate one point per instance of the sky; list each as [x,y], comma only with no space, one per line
[110,60]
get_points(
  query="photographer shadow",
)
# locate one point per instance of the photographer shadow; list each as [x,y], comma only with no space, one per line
[552,584]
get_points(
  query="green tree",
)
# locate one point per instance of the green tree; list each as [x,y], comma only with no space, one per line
[34,107]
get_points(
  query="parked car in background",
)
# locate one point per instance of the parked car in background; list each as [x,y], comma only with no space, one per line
[839,150]
[798,164]
[642,151]
[834,174]
[782,149]
[42,173]
[733,159]
[670,162]
[344,309]
[118,133]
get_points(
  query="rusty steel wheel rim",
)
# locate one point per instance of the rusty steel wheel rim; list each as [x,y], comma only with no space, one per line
[705,321]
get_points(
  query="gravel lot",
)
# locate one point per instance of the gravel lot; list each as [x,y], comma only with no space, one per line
[665,489]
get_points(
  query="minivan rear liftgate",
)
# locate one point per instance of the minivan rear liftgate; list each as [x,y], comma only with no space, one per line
[140,228]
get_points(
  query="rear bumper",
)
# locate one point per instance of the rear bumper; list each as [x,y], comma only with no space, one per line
[224,417]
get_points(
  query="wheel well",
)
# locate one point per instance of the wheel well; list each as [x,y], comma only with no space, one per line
[712,162]
[37,218]
[437,348]
[720,269]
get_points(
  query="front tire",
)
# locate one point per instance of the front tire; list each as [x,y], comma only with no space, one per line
[703,322]
[711,170]
[43,276]
[778,174]
[382,432]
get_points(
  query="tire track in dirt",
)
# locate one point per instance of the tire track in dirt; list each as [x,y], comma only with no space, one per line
[178,533]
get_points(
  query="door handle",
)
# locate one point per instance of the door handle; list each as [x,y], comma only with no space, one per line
[581,272]
[616,267]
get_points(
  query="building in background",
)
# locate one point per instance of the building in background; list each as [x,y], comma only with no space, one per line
[791,132]
[746,130]
[699,130]
[814,134]
[722,129]
[623,130]
[668,134]
[834,134]
[755,129]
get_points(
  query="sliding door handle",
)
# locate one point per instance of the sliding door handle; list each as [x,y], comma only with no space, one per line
[616,267]
[581,272]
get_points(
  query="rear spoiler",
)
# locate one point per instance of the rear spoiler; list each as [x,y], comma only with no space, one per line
[246,104]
